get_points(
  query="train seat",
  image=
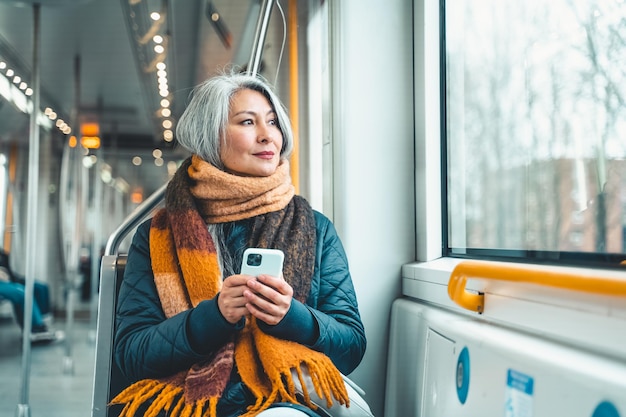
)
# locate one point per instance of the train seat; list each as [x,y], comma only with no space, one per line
[108,378]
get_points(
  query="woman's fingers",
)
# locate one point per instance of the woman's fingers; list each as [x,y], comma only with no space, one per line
[269,298]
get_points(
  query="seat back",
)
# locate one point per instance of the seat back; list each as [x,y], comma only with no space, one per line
[108,379]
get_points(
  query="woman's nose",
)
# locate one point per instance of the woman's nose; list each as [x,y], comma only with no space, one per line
[265,133]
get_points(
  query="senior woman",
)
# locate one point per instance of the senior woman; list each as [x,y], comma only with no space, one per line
[195,335]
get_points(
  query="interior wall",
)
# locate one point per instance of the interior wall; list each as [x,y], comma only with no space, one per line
[372,134]
[443,363]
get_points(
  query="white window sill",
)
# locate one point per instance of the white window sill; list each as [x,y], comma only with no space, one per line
[590,321]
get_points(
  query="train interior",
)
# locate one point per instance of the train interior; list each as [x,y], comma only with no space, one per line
[483,214]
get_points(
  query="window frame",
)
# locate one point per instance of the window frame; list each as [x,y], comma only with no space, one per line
[575,318]
[566,258]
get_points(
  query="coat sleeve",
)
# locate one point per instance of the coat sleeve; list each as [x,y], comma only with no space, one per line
[146,343]
[334,303]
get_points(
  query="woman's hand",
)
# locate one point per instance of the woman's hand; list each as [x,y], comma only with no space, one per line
[268,298]
[231,301]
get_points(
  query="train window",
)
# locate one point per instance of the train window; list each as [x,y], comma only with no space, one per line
[535,111]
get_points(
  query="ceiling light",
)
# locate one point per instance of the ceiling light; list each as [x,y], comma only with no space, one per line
[136,196]
[87,162]
[171,167]
[121,185]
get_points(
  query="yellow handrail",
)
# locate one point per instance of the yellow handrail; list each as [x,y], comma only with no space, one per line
[294,93]
[524,274]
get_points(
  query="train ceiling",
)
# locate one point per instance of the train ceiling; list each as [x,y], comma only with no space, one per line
[98,56]
[98,60]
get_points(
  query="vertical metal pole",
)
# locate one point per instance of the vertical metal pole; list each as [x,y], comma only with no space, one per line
[98,202]
[73,272]
[23,409]
[259,37]
[73,277]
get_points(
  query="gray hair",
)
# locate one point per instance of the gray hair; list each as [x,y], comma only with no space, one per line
[201,127]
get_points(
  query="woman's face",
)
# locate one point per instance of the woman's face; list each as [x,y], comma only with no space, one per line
[253,139]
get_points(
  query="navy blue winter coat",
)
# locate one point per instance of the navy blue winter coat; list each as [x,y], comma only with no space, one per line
[147,345]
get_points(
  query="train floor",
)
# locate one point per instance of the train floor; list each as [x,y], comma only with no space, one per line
[61,373]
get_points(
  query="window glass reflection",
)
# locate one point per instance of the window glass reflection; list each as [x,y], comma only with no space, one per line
[535,122]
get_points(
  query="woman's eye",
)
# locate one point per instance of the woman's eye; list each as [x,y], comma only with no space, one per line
[273,122]
[246,122]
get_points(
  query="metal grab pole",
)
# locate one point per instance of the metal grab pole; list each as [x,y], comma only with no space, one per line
[23,409]
[259,37]
[98,203]
[73,273]
[133,219]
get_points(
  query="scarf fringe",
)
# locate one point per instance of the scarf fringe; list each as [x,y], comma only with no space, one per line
[163,395]
[327,383]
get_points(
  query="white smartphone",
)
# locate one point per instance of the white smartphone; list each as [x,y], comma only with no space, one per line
[257,261]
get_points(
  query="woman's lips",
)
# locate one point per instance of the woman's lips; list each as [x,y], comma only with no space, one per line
[265,155]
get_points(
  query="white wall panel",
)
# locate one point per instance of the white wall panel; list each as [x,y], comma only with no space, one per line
[510,373]
[373,176]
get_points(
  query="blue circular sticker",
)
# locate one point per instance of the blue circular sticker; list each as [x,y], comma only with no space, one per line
[463,375]
[605,409]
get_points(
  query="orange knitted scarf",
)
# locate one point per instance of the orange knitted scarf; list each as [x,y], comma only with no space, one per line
[186,271]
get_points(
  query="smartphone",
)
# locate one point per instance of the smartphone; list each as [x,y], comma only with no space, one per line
[257,261]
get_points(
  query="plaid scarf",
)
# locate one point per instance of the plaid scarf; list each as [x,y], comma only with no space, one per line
[186,271]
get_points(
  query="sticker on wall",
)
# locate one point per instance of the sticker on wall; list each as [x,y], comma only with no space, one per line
[462,375]
[605,409]
[519,394]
